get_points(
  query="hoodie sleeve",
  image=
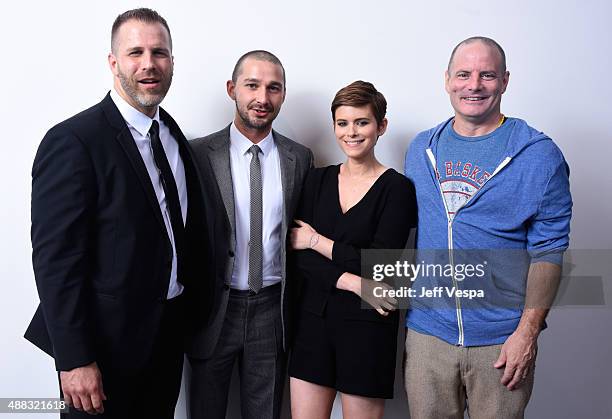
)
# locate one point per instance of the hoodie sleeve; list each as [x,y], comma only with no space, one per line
[548,232]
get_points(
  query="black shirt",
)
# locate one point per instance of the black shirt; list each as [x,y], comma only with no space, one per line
[380,220]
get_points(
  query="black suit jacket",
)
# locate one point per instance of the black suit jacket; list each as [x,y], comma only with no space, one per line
[101,253]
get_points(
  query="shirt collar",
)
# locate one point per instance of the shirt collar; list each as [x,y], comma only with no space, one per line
[243,144]
[136,119]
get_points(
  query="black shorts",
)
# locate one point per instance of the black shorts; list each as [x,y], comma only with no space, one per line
[353,356]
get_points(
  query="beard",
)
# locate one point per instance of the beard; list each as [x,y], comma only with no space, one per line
[255,123]
[147,100]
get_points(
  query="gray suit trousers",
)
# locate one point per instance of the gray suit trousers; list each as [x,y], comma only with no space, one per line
[252,335]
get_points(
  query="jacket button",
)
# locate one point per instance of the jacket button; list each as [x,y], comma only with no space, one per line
[230,253]
[226,287]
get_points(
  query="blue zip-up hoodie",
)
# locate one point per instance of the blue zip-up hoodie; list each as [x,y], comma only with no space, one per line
[525,207]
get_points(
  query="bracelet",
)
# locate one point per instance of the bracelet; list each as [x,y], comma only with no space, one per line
[314,239]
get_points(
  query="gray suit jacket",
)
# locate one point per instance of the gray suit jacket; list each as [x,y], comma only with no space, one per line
[213,159]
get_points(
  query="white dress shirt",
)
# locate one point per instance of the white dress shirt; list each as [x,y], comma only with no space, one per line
[240,162]
[139,125]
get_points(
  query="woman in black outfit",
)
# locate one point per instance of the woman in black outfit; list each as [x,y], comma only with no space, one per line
[359,204]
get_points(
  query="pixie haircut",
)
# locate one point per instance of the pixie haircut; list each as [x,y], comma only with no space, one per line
[259,55]
[488,42]
[142,15]
[361,93]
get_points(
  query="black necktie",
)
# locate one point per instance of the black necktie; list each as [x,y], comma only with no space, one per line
[172,198]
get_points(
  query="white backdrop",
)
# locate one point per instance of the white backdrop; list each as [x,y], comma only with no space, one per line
[559,56]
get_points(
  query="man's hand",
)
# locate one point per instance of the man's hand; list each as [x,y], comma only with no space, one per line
[82,388]
[518,355]
[519,351]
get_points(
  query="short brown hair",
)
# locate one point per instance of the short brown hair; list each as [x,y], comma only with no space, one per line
[142,14]
[361,93]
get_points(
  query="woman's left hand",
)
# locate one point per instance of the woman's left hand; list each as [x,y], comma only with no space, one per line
[301,237]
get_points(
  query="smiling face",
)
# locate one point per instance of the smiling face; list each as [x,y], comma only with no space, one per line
[142,64]
[357,131]
[475,83]
[259,93]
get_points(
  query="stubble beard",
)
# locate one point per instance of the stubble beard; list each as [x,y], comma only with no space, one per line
[254,124]
[129,86]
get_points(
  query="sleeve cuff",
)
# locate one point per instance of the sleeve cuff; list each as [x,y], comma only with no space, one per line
[555,257]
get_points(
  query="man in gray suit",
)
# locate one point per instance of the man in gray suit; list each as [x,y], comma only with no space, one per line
[244,167]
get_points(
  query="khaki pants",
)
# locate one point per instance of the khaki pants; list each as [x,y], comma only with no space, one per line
[442,380]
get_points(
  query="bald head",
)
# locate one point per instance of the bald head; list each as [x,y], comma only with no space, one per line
[486,41]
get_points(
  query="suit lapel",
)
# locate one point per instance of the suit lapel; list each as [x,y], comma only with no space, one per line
[125,139]
[220,163]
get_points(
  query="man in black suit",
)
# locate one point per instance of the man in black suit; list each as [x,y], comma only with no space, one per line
[117,225]
[255,184]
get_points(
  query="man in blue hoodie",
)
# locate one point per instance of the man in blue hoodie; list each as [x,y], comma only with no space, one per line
[493,193]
